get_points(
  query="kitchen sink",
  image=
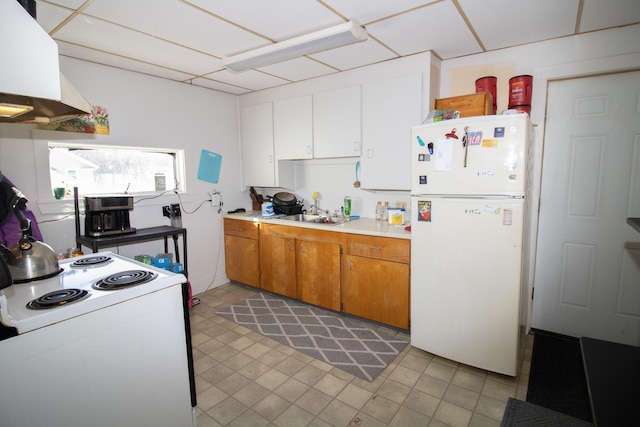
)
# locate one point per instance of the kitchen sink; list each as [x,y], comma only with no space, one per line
[317,219]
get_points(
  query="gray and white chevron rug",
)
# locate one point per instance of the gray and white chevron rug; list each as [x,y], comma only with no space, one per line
[324,335]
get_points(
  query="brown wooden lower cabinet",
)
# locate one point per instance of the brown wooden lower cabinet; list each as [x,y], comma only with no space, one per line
[278,256]
[241,248]
[377,290]
[366,276]
[318,268]
[376,279]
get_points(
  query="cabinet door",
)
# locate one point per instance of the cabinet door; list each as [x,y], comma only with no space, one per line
[242,259]
[318,267]
[337,119]
[278,265]
[377,290]
[389,109]
[258,167]
[293,128]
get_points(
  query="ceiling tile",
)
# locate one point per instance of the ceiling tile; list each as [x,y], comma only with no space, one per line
[177,22]
[286,18]
[365,11]
[222,87]
[79,52]
[50,16]
[438,28]
[101,35]
[298,69]
[508,23]
[598,14]
[250,79]
[355,55]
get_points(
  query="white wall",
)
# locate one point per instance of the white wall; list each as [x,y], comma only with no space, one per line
[149,112]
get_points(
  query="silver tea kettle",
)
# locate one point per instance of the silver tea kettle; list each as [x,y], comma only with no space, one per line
[30,260]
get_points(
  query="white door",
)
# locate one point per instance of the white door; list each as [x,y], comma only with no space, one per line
[587,273]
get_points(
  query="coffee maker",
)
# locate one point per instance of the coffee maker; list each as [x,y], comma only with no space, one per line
[107,215]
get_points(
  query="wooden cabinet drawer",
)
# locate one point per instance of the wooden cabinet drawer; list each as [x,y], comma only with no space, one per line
[384,248]
[240,228]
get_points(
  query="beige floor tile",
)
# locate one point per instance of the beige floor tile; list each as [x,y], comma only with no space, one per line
[210,397]
[440,370]
[271,406]
[309,375]
[478,420]
[468,380]
[293,416]
[241,343]
[406,376]
[422,402]
[271,379]
[408,417]
[233,383]
[254,370]
[313,401]
[498,390]
[354,396]
[453,415]
[330,384]
[432,385]
[227,410]
[272,358]
[337,414]
[363,419]
[461,397]
[393,391]
[291,389]
[490,407]
[251,394]
[290,366]
[248,418]
[381,409]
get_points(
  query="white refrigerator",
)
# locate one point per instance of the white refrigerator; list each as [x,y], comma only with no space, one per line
[468,221]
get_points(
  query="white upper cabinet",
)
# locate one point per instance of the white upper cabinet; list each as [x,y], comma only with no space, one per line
[337,118]
[259,166]
[293,128]
[390,108]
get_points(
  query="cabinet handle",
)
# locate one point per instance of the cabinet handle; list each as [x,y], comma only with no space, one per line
[270,158]
[356,146]
[375,248]
[308,149]
[370,153]
[349,265]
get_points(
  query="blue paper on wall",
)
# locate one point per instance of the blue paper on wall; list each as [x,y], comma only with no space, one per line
[209,169]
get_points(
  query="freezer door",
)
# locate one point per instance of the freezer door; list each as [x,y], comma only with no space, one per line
[489,158]
[466,279]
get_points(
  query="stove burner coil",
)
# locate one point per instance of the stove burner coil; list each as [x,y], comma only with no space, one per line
[57,298]
[92,261]
[124,279]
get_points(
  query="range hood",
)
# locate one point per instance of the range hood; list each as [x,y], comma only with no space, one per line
[32,89]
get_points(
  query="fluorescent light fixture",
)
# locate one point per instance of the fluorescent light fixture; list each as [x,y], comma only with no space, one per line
[329,38]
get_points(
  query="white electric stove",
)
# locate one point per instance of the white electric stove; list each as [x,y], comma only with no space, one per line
[104,326]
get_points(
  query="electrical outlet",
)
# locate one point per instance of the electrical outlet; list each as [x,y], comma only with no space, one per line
[216,199]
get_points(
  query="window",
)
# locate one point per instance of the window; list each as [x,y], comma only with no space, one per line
[110,169]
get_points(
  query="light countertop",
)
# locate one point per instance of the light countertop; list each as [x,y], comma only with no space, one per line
[367,226]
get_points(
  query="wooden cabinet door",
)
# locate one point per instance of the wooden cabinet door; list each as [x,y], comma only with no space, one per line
[318,267]
[377,290]
[278,264]
[242,259]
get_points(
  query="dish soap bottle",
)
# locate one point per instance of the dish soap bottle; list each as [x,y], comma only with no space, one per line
[379,211]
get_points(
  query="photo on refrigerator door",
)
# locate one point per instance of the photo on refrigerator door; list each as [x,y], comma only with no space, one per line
[424,210]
